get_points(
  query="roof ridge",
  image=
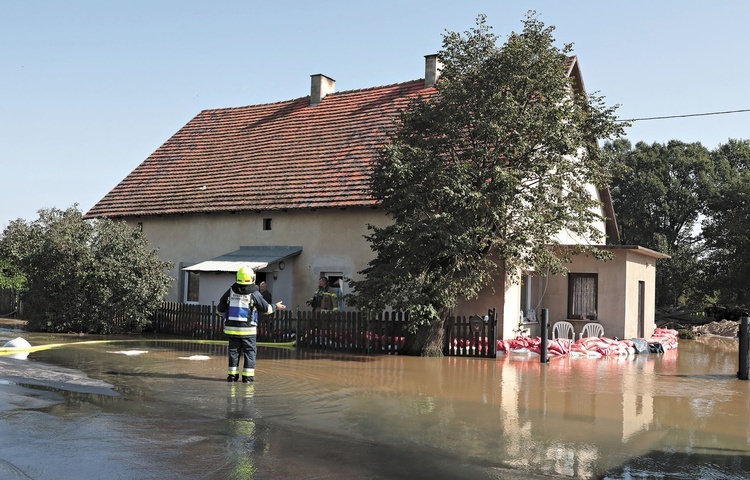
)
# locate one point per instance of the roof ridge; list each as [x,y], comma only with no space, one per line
[297,99]
[365,89]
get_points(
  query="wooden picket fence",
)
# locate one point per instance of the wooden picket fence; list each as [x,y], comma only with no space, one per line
[187,320]
[472,337]
[354,332]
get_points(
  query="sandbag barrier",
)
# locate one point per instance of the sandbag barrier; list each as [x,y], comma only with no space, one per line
[662,340]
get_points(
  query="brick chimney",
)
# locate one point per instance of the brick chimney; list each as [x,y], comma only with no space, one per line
[320,86]
[432,68]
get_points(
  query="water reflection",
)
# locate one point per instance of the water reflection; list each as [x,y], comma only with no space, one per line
[241,430]
[682,413]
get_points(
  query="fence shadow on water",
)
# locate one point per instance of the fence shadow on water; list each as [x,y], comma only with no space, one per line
[353,332]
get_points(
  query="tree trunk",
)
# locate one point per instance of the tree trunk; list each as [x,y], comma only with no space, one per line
[428,341]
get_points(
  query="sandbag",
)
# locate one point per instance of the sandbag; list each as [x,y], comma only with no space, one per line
[17,342]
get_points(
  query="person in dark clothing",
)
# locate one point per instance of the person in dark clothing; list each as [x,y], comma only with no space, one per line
[237,306]
[264,291]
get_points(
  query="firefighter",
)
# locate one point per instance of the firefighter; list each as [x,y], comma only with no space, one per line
[324,298]
[238,306]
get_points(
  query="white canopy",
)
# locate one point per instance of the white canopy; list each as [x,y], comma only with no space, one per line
[257,258]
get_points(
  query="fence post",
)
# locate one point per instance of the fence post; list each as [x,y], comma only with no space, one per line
[212,320]
[492,326]
[368,331]
[544,327]
[297,335]
[744,347]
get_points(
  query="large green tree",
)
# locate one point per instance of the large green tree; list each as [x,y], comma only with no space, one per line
[479,178]
[659,199]
[726,227]
[82,275]
[10,275]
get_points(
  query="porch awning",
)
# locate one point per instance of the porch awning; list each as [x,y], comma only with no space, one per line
[257,258]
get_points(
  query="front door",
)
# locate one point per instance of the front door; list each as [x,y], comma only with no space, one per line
[641,308]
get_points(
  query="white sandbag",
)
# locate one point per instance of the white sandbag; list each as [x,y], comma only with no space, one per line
[17,342]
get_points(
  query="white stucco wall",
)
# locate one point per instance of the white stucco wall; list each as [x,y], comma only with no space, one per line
[567,237]
[617,291]
[332,241]
[640,268]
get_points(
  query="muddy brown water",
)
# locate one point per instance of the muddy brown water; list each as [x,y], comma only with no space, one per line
[163,410]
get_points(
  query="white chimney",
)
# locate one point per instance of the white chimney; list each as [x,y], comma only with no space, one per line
[432,68]
[320,86]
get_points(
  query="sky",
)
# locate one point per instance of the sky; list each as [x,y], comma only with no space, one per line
[89,89]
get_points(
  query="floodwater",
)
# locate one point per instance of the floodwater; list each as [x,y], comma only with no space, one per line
[163,410]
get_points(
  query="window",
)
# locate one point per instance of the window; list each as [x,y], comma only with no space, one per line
[333,281]
[266,224]
[191,287]
[333,277]
[582,295]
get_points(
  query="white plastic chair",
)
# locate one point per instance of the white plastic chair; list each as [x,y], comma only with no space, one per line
[563,330]
[592,330]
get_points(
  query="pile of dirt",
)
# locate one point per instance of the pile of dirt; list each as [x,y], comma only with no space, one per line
[724,328]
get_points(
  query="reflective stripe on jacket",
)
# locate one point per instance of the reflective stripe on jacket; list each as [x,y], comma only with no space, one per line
[325,299]
[240,306]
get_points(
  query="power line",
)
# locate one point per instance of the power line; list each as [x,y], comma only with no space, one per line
[687,115]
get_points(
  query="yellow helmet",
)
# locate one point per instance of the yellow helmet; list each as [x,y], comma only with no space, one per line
[245,276]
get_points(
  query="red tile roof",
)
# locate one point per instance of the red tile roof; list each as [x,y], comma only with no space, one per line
[286,155]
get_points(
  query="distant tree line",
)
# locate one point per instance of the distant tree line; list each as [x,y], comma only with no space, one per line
[694,205]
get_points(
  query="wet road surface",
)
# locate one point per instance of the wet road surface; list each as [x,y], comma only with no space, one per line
[160,409]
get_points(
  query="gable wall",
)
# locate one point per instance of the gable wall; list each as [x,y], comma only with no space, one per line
[566,237]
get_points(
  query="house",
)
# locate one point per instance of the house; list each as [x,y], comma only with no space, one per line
[284,187]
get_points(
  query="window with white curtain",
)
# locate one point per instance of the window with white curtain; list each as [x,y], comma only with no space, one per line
[582,295]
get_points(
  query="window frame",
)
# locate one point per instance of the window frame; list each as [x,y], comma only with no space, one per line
[572,278]
[186,289]
[332,278]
